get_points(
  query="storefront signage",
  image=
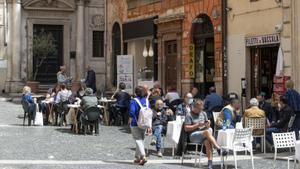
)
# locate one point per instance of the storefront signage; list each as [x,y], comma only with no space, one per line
[125,71]
[192,60]
[263,40]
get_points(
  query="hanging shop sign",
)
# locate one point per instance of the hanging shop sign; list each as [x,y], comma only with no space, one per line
[263,40]
[192,60]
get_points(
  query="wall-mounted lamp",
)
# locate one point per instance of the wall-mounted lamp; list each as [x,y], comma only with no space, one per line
[145,52]
[151,52]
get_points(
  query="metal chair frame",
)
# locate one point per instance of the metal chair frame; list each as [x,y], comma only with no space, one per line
[242,142]
[258,124]
[282,141]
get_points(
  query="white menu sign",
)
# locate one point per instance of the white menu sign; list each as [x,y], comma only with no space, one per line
[125,71]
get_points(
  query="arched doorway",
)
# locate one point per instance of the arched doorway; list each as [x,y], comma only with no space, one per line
[203,39]
[116,50]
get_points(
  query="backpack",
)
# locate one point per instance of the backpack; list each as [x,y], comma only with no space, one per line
[145,115]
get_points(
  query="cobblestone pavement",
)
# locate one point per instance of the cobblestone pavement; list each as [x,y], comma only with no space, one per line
[50,147]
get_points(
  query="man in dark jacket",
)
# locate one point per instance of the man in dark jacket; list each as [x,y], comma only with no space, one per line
[90,80]
[161,116]
[281,125]
[267,108]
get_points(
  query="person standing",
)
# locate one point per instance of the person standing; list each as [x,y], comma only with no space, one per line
[90,80]
[138,133]
[293,100]
[62,77]
[212,103]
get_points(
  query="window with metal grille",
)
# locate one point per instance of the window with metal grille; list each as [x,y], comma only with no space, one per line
[98,44]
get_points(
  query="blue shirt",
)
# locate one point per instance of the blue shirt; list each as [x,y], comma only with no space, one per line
[28,98]
[212,101]
[293,99]
[228,116]
[135,110]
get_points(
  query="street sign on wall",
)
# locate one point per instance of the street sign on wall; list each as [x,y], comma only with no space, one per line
[125,71]
[192,60]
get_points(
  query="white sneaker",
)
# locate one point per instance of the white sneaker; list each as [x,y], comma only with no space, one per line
[159,154]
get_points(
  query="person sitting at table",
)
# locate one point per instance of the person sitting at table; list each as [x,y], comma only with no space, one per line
[284,116]
[155,95]
[171,95]
[197,125]
[120,108]
[254,112]
[161,116]
[27,96]
[87,101]
[229,115]
[184,108]
[62,99]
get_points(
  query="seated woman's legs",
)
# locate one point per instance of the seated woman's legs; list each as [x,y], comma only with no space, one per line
[157,133]
[269,132]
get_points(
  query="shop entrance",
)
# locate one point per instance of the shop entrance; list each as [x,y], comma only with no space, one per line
[263,69]
[203,39]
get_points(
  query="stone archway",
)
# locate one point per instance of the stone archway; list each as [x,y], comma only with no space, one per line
[202,36]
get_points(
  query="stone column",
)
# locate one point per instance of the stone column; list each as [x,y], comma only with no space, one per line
[14,77]
[9,46]
[80,40]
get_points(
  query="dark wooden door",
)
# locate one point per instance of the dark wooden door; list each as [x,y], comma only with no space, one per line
[171,64]
[47,73]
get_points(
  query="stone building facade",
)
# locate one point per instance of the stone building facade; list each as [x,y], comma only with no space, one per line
[176,25]
[77,26]
[256,31]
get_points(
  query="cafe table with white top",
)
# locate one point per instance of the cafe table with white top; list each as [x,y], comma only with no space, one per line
[76,107]
[105,103]
[174,130]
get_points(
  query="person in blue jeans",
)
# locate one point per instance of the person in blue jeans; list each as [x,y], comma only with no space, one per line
[161,116]
[138,134]
[285,114]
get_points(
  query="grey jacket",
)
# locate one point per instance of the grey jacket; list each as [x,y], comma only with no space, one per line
[88,101]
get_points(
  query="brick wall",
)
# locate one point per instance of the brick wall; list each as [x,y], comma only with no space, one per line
[192,9]
[153,9]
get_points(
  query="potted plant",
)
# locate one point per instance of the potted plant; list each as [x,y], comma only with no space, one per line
[43,45]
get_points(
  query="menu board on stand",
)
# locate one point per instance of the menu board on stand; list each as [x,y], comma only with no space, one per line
[125,71]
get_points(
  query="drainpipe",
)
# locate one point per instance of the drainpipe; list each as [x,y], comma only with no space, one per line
[224,48]
[104,88]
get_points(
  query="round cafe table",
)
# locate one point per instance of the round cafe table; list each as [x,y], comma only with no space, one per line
[225,137]
[105,105]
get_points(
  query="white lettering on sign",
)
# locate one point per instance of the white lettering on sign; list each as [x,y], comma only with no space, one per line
[263,40]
